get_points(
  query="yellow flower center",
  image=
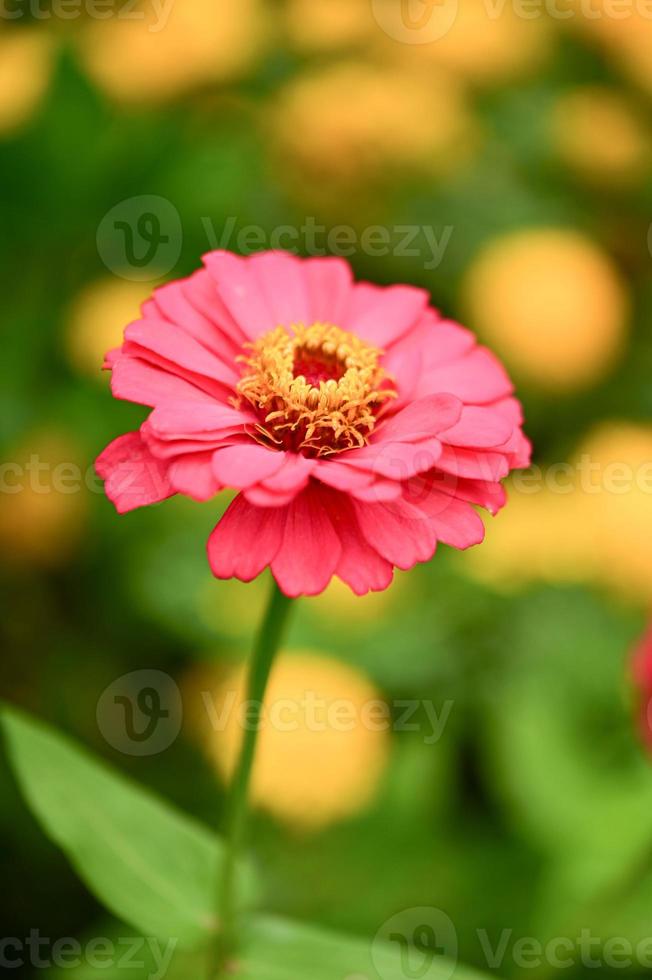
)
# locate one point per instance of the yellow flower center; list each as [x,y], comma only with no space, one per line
[317,389]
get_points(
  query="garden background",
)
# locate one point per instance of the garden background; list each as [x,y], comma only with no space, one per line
[505,165]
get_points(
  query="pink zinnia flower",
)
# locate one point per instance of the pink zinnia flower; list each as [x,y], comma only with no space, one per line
[359,427]
[642,674]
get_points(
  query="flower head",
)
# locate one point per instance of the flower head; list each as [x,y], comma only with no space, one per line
[358,426]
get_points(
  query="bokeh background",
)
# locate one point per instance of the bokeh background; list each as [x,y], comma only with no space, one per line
[524,145]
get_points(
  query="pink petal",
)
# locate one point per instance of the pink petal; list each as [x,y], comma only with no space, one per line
[137,381]
[172,446]
[111,357]
[241,292]
[280,488]
[420,420]
[310,551]
[261,497]
[202,292]
[206,385]
[455,521]
[400,533]
[447,342]
[404,360]
[180,418]
[475,464]
[479,427]
[193,475]
[429,344]
[284,286]
[340,476]
[395,460]
[360,566]
[382,314]
[245,540]
[174,304]
[483,493]
[440,341]
[293,475]
[476,378]
[330,282]
[132,476]
[379,490]
[175,345]
[245,465]
[510,408]
[520,456]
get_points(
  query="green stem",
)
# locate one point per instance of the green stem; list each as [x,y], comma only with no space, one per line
[266,646]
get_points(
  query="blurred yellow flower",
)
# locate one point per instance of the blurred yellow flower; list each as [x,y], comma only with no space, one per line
[44,500]
[325,25]
[26,58]
[552,303]
[355,123]
[541,536]
[485,44]
[97,319]
[171,51]
[323,745]
[621,512]
[587,520]
[601,135]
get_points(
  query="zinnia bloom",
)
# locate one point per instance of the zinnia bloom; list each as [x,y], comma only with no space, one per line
[359,427]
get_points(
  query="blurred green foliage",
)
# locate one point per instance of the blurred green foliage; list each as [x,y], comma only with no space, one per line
[537,797]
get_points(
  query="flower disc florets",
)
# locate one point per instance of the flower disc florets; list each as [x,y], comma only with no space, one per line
[316,389]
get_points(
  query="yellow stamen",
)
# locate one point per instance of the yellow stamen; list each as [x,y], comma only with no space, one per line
[317,389]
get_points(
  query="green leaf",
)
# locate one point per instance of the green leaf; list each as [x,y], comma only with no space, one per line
[276,949]
[150,865]
[281,950]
